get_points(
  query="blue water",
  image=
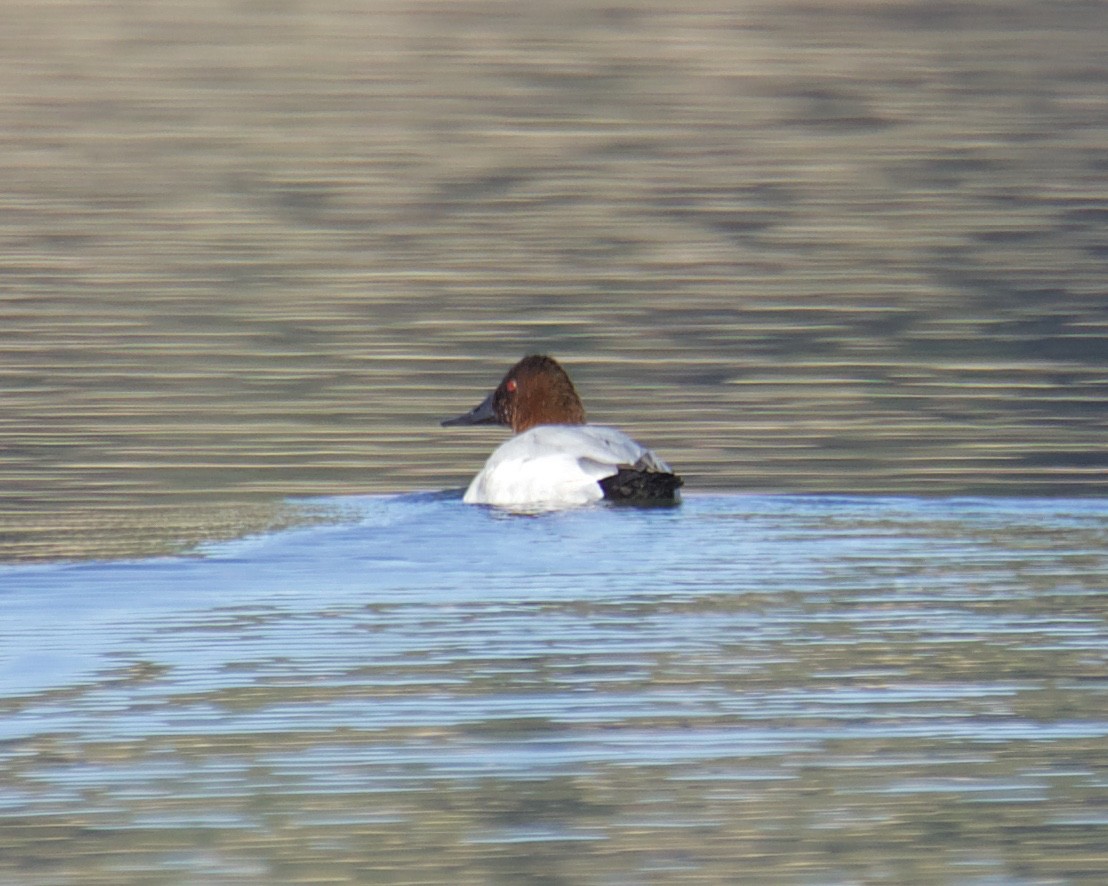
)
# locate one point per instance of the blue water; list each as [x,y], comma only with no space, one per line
[409,689]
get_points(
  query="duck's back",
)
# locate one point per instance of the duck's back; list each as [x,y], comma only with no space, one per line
[559,465]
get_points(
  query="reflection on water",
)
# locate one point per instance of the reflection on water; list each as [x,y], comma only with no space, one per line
[258,249]
[769,689]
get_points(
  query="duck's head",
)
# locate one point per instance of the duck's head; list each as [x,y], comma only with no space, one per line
[536,391]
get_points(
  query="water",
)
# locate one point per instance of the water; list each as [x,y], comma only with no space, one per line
[750,688]
[259,249]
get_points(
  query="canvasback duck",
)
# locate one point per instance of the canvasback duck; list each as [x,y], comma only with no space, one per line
[555,460]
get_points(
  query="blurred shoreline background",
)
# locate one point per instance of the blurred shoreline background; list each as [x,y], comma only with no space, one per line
[259,249]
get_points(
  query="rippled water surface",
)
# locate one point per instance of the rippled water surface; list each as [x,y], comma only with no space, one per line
[744,689]
[258,249]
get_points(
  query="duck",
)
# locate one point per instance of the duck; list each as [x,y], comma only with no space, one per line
[555,459]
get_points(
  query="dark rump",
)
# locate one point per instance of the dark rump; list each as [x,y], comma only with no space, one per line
[635,487]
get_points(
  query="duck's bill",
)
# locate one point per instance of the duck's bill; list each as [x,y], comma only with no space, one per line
[482,414]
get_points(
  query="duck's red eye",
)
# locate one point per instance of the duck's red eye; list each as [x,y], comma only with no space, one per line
[510,386]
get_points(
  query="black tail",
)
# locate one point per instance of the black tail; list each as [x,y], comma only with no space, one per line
[634,487]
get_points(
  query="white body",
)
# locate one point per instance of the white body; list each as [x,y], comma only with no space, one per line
[556,466]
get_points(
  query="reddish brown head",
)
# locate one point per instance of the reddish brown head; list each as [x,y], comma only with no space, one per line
[536,391]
